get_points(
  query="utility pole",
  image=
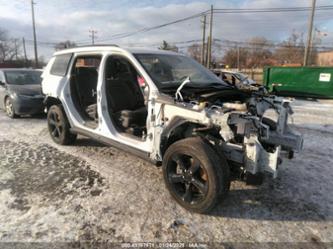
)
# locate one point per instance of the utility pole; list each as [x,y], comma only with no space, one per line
[209,50]
[238,64]
[25,52]
[16,49]
[93,35]
[203,40]
[34,31]
[309,40]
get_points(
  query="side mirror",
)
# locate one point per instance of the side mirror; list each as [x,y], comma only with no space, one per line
[2,83]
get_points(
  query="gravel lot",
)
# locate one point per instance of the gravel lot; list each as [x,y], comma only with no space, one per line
[92,192]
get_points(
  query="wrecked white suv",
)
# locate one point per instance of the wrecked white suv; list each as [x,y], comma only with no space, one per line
[167,108]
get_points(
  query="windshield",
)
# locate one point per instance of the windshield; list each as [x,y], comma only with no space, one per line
[241,76]
[172,70]
[21,77]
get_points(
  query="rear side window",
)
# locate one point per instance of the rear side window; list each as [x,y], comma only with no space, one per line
[60,65]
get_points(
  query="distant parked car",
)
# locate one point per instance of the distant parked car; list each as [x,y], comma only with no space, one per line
[20,92]
[234,78]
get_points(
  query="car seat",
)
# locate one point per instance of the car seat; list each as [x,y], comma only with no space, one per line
[125,98]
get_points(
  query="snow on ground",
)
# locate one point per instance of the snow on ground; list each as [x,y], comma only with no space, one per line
[94,192]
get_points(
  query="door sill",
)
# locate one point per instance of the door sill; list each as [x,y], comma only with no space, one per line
[142,154]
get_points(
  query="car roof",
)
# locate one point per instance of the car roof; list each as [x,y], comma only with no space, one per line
[228,71]
[113,48]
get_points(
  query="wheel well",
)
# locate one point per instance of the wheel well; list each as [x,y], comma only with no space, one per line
[181,129]
[4,103]
[174,134]
[50,101]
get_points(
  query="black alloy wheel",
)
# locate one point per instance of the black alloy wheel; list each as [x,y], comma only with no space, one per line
[58,126]
[187,178]
[195,175]
[10,110]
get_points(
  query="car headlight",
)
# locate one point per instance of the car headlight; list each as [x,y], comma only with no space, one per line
[14,95]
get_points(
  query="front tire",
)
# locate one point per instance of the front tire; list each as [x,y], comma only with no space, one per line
[59,127]
[10,110]
[195,175]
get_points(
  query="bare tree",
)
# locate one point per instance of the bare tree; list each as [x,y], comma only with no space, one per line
[291,51]
[234,54]
[64,45]
[259,52]
[255,53]
[216,52]
[8,50]
[195,51]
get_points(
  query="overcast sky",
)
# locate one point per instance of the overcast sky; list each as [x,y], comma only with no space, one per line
[61,20]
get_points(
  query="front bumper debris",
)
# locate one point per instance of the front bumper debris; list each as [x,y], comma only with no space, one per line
[257,159]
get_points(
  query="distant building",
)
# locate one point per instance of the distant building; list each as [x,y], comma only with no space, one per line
[325,58]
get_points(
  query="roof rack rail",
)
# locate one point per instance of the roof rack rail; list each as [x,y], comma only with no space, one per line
[89,46]
[97,45]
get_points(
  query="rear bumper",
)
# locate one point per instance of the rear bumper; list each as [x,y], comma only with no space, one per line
[28,105]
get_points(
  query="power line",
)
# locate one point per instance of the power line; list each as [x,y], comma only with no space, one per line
[269,10]
[143,30]
[268,44]
[215,11]
[226,44]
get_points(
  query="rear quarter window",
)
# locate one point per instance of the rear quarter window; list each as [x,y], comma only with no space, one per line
[60,64]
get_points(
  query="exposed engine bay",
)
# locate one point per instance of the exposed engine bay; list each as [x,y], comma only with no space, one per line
[252,125]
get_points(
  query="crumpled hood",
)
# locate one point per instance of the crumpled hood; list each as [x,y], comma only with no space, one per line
[29,90]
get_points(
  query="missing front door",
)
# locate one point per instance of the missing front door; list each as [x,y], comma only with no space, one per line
[84,78]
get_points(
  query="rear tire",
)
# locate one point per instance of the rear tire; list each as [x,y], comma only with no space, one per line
[59,127]
[9,107]
[195,175]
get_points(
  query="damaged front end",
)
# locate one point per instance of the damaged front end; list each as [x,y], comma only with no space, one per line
[254,140]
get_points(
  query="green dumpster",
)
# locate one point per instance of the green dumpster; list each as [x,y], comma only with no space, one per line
[306,82]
